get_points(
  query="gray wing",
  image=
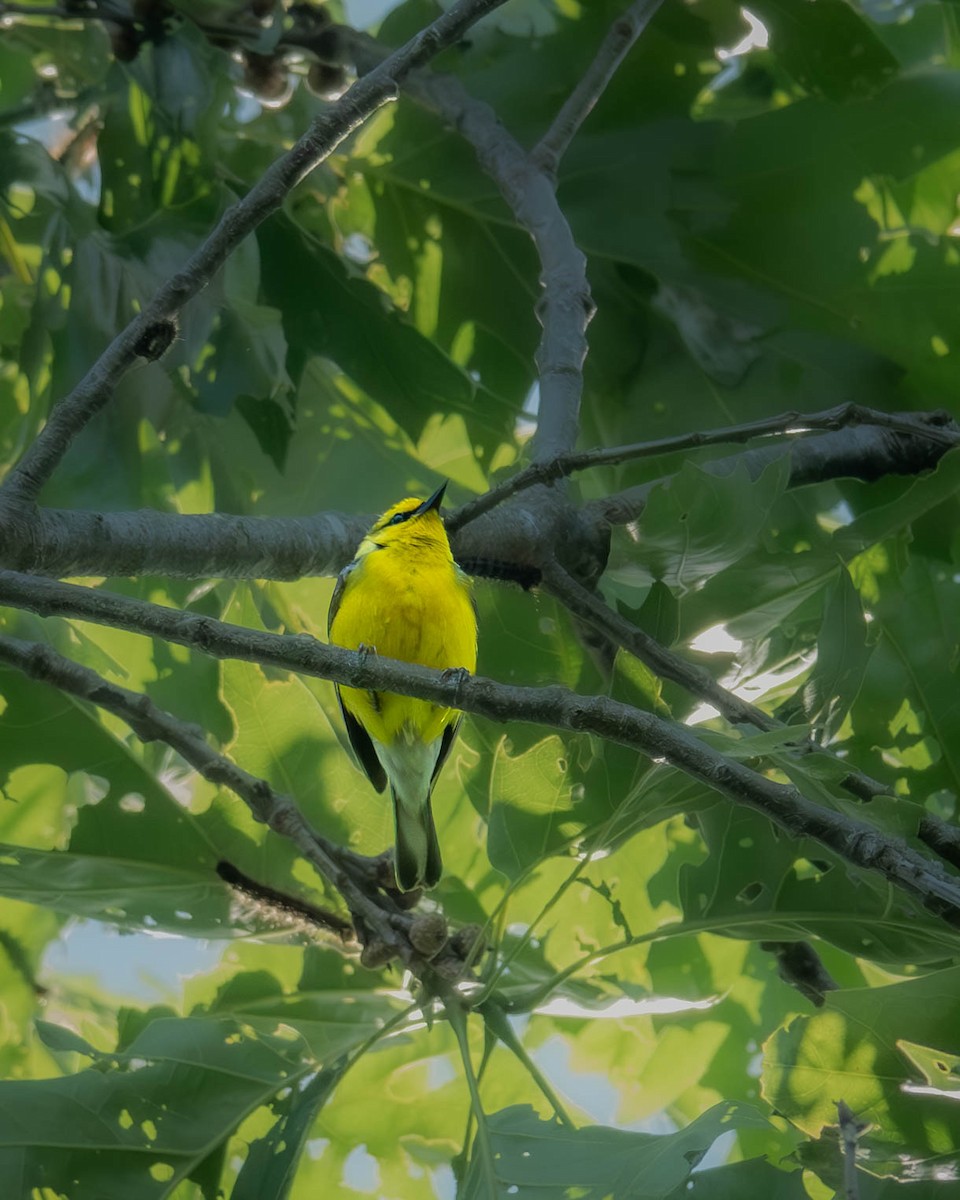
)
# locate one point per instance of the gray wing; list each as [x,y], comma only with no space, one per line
[359,738]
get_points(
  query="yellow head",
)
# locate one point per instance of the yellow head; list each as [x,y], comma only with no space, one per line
[409,524]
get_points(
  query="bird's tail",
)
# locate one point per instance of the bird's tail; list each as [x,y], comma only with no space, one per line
[417,862]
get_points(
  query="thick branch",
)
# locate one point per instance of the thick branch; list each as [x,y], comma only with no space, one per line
[503,545]
[865,452]
[327,132]
[58,542]
[855,841]
[613,49]
[215,545]
[565,307]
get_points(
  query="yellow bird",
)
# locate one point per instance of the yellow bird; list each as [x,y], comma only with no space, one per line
[404,597]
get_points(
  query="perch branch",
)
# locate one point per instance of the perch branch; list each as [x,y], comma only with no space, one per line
[217,545]
[158,317]
[613,49]
[855,841]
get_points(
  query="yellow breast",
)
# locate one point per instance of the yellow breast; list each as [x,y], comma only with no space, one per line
[413,608]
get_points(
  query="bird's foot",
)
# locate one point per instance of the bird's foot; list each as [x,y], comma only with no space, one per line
[365,652]
[457,676]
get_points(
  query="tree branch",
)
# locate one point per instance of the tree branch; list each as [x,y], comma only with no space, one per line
[329,129]
[938,426]
[289,905]
[855,841]
[502,545]
[210,545]
[588,607]
[565,307]
[850,1131]
[864,452]
[380,923]
[613,49]
[942,837]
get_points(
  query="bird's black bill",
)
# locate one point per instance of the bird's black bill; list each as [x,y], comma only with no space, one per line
[433,501]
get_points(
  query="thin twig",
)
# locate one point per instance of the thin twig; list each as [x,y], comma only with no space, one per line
[799,965]
[938,426]
[850,1131]
[855,841]
[860,451]
[613,49]
[592,609]
[289,905]
[328,130]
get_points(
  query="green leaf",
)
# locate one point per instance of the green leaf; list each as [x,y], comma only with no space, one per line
[842,655]
[330,1019]
[740,1180]
[700,522]
[761,882]
[850,1050]
[907,720]
[109,1135]
[129,894]
[915,499]
[545,1159]
[343,318]
[532,811]
[271,1163]
[65,1041]
[827,47]
[941,1071]
[659,615]
[758,594]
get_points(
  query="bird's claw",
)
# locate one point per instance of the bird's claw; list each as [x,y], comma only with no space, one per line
[457,676]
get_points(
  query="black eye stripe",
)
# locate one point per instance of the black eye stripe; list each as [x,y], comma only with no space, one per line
[400,517]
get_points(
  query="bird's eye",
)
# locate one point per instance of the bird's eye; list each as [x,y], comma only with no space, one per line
[398,518]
